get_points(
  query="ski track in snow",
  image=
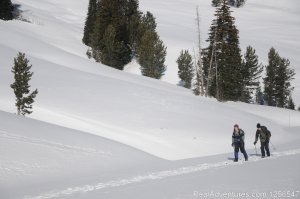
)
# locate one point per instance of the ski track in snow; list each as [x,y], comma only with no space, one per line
[55,145]
[156,176]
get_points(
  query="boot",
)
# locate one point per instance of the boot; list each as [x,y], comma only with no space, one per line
[236,156]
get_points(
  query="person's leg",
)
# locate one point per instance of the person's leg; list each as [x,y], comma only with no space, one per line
[267,148]
[262,148]
[236,152]
[244,152]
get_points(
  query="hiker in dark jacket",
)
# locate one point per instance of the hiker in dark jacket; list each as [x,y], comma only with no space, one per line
[264,135]
[238,137]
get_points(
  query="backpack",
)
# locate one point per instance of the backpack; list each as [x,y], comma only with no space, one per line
[265,134]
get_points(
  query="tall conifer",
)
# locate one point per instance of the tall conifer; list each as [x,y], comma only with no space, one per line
[22,76]
[185,68]
[223,56]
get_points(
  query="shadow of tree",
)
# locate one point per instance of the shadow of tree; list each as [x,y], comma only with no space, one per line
[17,13]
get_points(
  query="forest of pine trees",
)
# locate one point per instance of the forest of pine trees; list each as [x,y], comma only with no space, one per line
[117,32]
[6,9]
[230,76]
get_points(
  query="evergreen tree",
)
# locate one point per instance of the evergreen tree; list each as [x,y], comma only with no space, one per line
[291,104]
[222,59]
[185,68]
[133,28]
[270,79]
[259,96]
[151,54]
[216,3]
[119,15]
[277,80]
[235,3]
[113,53]
[283,82]
[147,23]
[199,79]
[239,3]
[6,9]
[22,76]
[251,72]
[89,22]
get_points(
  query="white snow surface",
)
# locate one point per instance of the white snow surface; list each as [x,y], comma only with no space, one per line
[156,117]
[97,132]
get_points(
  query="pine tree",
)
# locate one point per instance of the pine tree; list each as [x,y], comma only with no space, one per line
[151,54]
[223,57]
[251,72]
[270,79]
[278,80]
[199,78]
[119,14]
[22,76]
[113,53]
[291,104]
[185,68]
[283,82]
[216,3]
[6,9]
[89,23]
[259,96]
[235,3]
[147,23]
[239,3]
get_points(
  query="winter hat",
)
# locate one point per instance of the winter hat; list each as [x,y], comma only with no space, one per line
[258,125]
[236,125]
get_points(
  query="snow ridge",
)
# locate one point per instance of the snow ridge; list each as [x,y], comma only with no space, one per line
[56,145]
[157,175]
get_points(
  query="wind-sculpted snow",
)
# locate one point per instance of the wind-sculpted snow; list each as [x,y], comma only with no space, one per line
[159,175]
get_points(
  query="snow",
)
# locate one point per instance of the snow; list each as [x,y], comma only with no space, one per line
[97,132]
[261,24]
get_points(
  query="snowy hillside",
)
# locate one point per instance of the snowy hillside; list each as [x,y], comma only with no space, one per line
[103,133]
[43,161]
[262,24]
[75,92]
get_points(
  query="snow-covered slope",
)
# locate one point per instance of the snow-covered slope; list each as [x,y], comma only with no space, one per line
[117,131]
[42,161]
[262,24]
[153,116]
[37,157]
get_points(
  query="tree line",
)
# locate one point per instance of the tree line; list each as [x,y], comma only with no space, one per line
[117,32]
[234,3]
[221,71]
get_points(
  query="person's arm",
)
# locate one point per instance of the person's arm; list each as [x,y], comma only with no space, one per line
[256,136]
[232,144]
[242,135]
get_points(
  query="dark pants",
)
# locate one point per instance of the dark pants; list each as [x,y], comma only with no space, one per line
[264,147]
[239,146]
